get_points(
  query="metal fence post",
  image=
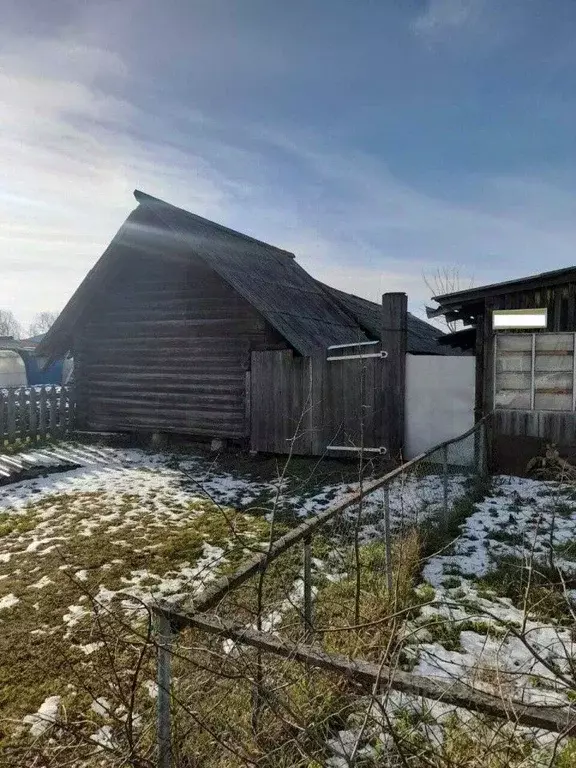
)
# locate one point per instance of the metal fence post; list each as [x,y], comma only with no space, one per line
[164,638]
[307,568]
[388,541]
[445,480]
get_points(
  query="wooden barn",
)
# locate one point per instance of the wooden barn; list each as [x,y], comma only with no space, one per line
[185,326]
[523,333]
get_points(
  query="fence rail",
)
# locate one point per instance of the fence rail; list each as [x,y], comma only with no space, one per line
[330,594]
[34,414]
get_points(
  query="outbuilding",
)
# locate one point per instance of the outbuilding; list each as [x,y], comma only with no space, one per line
[188,327]
[523,334]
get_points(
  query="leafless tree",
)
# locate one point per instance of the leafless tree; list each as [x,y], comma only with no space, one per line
[9,326]
[447,280]
[42,323]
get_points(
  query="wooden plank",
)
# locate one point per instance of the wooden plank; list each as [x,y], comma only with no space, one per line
[255,414]
[24,413]
[319,415]
[282,423]
[301,403]
[53,415]
[71,411]
[11,416]
[393,371]
[368,674]
[571,308]
[247,403]
[33,414]
[42,413]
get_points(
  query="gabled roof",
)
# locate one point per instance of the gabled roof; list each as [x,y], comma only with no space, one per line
[307,314]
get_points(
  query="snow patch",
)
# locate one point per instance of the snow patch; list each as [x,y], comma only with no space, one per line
[8,601]
[46,716]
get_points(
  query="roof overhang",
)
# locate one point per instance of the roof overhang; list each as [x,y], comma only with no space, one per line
[542,279]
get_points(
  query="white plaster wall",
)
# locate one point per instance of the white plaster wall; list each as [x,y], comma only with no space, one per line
[439,401]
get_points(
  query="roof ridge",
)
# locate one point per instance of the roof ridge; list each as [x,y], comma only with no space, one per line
[144,197]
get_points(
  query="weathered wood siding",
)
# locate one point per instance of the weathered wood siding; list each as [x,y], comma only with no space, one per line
[168,349]
[519,435]
[312,403]
[560,301]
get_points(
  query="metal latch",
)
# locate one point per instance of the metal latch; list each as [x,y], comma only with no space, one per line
[382,354]
[381,450]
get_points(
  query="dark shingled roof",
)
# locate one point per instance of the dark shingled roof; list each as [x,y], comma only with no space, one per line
[308,314]
[422,337]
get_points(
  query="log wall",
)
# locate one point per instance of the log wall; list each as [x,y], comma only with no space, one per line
[168,349]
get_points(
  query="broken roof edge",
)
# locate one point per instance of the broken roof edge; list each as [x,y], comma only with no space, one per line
[144,198]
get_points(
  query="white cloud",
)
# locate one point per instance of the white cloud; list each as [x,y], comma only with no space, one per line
[75,148]
[70,166]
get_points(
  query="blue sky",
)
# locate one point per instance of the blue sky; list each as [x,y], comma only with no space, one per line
[378,140]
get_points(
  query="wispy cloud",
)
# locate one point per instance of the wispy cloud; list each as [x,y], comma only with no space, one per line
[77,140]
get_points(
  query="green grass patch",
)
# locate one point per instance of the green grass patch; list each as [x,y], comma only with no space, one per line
[540,589]
[566,549]
[437,534]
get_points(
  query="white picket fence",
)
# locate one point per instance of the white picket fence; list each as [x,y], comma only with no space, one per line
[35,414]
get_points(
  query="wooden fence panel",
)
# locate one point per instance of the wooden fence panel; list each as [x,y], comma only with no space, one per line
[29,415]
[280,402]
[308,403]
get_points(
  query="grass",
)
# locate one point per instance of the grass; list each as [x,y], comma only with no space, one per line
[436,534]
[67,546]
[539,588]
[143,535]
[106,539]
[567,550]
[513,538]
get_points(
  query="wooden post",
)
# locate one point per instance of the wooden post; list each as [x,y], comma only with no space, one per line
[11,401]
[393,378]
[307,567]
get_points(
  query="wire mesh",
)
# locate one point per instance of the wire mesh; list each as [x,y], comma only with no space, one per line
[344,589]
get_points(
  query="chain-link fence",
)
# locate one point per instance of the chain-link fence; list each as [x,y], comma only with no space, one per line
[276,643]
